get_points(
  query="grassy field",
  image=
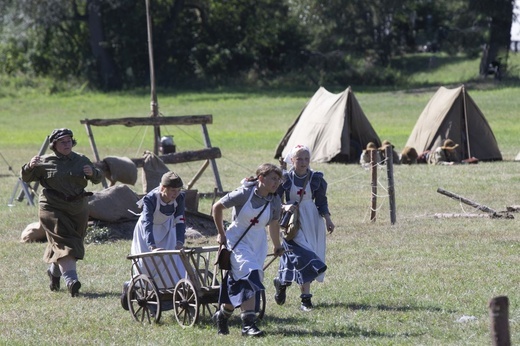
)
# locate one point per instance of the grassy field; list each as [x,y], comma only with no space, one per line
[422,281]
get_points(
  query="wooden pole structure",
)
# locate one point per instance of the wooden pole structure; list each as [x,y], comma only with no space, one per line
[34,187]
[94,149]
[209,153]
[213,163]
[197,176]
[154,106]
[499,314]
[373,167]
[390,175]
[466,201]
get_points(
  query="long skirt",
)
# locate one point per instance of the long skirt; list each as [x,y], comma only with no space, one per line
[235,292]
[299,264]
[65,233]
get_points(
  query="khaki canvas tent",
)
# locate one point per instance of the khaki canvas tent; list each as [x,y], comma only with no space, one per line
[333,126]
[452,113]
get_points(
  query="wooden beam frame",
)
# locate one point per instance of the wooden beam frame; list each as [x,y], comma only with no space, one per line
[209,153]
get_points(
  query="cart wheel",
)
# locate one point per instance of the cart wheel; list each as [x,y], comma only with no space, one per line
[261,312]
[185,303]
[208,310]
[143,299]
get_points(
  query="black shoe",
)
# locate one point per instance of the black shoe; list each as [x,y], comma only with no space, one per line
[124,298]
[74,287]
[54,284]
[306,304]
[222,323]
[280,295]
[124,301]
[251,329]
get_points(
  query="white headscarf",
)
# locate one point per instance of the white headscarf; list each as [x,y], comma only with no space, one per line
[290,154]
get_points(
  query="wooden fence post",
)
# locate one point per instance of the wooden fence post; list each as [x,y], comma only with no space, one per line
[390,174]
[499,314]
[373,167]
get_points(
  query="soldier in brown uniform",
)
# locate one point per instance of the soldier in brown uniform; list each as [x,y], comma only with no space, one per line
[63,208]
[445,154]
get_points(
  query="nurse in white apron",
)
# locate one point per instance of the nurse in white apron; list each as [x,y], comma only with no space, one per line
[304,259]
[255,205]
[161,226]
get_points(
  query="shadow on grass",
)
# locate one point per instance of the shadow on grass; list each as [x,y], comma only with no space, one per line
[383,307]
[302,328]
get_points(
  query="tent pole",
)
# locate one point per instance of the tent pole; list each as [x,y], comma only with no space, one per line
[154,106]
[465,121]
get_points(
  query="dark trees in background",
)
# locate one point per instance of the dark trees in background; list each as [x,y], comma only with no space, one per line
[108,72]
[222,41]
[498,17]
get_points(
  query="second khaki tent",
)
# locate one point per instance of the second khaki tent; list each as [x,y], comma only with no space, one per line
[452,113]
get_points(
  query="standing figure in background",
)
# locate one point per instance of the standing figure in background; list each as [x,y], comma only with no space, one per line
[63,208]
[161,226]
[255,205]
[304,258]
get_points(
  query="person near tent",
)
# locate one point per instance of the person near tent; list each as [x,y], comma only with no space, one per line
[445,154]
[453,114]
[255,205]
[395,156]
[161,226]
[63,208]
[365,158]
[409,156]
[304,258]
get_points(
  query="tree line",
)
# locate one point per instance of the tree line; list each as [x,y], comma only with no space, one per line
[218,42]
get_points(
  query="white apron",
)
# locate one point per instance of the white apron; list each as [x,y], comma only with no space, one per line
[312,233]
[165,237]
[251,251]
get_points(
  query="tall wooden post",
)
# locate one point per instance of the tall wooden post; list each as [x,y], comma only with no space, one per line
[390,174]
[373,168]
[154,106]
[499,314]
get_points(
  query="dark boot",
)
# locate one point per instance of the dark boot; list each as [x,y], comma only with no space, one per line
[124,297]
[74,287]
[249,327]
[54,282]
[306,302]
[280,295]
[221,320]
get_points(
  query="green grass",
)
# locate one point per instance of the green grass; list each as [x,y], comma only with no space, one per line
[402,284]
[434,69]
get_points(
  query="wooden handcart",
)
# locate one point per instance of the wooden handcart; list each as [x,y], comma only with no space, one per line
[194,294]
